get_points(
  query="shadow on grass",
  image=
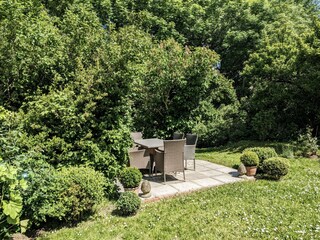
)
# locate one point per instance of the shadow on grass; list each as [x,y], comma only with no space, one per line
[238,147]
[55,225]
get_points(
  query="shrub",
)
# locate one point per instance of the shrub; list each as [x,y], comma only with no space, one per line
[128,203]
[263,152]
[130,177]
[83,188]
[249,158]
[274,168]
[62,195]
[11,201]
[306,144]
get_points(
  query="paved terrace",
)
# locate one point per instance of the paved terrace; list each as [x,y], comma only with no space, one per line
[206,175]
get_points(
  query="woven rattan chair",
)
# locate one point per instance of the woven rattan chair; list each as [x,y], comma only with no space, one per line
[139,158]
[190,149]
[135,136]
[171,159]
[177,135]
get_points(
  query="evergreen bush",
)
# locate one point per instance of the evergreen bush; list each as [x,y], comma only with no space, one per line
[128,203]
[249,159]
[62,195]
[130,177]
[263,152]
[274,168]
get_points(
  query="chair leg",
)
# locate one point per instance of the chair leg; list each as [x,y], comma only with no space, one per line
[184,176]
[164,177]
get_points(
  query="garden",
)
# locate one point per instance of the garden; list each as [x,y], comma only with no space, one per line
[261,209]
[78,76]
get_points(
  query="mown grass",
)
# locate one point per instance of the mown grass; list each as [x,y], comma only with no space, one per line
[289,209]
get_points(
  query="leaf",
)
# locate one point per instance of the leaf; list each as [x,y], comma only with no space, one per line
[12,221]
[12,209]
[24,225]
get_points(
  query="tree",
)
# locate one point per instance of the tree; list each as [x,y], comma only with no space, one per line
[283,75]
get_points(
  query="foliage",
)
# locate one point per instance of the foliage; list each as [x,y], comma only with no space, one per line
[263,152]
[11,204]
[180,94]
[130,177]
[30,51]
[283,76]
[249,158]
[83,188]
[307,144]
[260,209]
[128,203]
[62,195]
[274,168]
[42,199]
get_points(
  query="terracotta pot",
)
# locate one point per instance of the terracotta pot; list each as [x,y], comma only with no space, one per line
[251,171]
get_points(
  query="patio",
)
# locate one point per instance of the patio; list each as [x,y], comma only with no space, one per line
[206,175]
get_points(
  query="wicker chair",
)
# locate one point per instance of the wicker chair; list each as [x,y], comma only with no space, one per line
[171,159]
[135,136]
[139,158]
[190,149]
[177,135]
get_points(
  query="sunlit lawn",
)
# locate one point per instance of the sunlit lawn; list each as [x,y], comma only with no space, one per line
[289,209]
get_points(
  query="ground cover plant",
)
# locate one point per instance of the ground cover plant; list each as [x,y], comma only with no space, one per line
[286,209]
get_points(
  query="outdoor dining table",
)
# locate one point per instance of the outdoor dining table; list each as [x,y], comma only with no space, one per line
[151,144]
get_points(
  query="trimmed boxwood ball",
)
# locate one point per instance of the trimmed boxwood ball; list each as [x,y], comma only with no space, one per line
[274,168]
[128,203]
[130,177]
[263,152]
[249,159]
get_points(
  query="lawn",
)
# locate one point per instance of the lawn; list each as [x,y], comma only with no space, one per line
[289,209]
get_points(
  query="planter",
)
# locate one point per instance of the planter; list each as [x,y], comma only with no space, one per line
[251,171]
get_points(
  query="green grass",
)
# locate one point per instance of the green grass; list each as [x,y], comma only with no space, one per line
[289,209]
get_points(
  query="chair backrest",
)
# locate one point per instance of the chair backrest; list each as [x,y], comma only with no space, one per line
[191,139]
[177,135]
[136,135]
[139,158]
[174,155]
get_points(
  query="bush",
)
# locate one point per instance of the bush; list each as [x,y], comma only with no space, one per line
[274,168]
[62,195]
[128,203]
[306,144]
[83,188]
[130,177]
[263,152]
[11,201]
[249,158]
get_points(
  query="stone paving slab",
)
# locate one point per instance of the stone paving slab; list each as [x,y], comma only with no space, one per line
[211,173]
[208,182]
[206,175]
[164,191]
[186,186]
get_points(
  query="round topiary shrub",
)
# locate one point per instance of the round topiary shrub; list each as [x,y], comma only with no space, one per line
[263,152]
[274,168]
[128,204]
[249,159]
[130,177]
